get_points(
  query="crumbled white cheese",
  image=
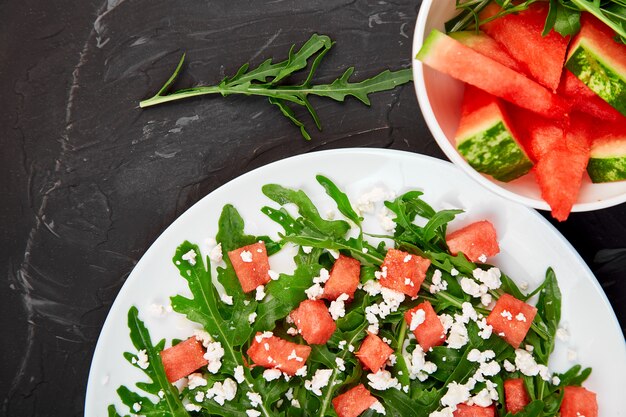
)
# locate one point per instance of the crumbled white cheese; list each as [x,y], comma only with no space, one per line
[137,407]
[221,392]
[192,407]
[507,315]
[314,292]
[295,403]
[454,272]
[417,317]
[525,363]
[307,249]
[458,336]
[444,412]
[252,317]
[529,348]
[482,258]
[214,354]
[253,413]
[337,308]
[556,380]
[418,366]
[350,348]
[456,394]
[202,337]
[342,344]
[364,250]
[508,366]
[264,335]
[382,380]
[490,277]
[380,274]
[378,407]
[255,399]
[333,253]
[159,310]
[367,201]
[271,374]
[438,284]
[199,397]
[319,381]
[485,329]
[407,258]
[246,256]
[471,287]
[196,380]
[341,364]
[301,371]
[486,299]
[294,355]
[190,257]
[260,293]
[373,287]
[562,334]
[226,299]
[446,321]
[161,393]
[215,254]
[292,331]
[273,275]
[386,220]
[239,376]
[142,359]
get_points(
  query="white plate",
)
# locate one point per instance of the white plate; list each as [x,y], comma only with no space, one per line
[440,99]
[529,245]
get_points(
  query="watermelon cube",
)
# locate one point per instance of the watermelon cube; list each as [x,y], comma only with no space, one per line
[485,139]
[448,55]
[403,272]
[426,326]
[583,99]
[313,321]
[183,359]
[607,161]
[270,351]
[521,35]
[515,395]
[578,401]
[511,318]
[464,410]
[374,352]
[353,402]
[487,46]
[599,62]
[251,265]
[474,241]
[344,278]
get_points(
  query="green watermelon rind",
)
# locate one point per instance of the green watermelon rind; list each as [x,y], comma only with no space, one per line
[607,82]
[607,162]
[494,151]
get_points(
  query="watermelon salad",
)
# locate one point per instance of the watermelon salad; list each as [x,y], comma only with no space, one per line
[554,105]
[413,323]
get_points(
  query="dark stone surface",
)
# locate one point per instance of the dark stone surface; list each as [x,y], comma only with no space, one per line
[88,180]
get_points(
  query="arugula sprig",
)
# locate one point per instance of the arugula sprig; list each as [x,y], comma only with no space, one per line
[265,80]
[563,15]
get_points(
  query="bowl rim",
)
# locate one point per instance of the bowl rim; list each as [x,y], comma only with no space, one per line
[451,152]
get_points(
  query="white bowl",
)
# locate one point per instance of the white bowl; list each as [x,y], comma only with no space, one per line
[440,98]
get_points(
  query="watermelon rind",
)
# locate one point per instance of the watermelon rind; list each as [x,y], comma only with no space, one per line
[608,161]
[588,64]
[494,151]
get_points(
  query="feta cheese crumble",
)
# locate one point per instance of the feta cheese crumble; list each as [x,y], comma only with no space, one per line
[190,257]
[314,292]
[382,380]
[319,381]
[226,299]
[246,256]
[417,317]
[142,359]
[238,374]
[214,354]
[215,254]
[271,374]
[260,293]
[337,308]
[378,407]
[196,380]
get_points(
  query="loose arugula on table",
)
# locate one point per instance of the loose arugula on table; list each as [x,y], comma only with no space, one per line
[267,80]
[563,15]
[228,324]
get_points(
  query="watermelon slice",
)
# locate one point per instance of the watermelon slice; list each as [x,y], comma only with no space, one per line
[353,402]
[521,34]
[251,265]
[374,352]
[599,62]
[274,352]
[474,241]
[515,395]
[430,332]
[583,99]
[485,139]
[182,359]
[447,55]
[607,161]
[344,278]
[403,272]
[511,318]
[313,321]
[464,410]
[487,46]
[578,401]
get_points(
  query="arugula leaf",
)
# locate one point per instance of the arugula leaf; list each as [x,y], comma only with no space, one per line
[266,78]
[343,203]
[170,405]
[564,20]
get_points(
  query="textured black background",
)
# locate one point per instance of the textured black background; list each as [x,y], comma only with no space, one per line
[88,180]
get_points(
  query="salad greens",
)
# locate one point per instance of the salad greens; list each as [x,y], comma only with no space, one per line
[267,80]
[416,394]
[563,17]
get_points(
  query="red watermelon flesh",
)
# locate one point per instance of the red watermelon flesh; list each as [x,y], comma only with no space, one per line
[403,272]
[353,402]
[430,332]
[578,401]
[487,46]
[314,322]
[515,395]
[374,352]
[183,359]
[539,135]
[521,34]
[344,278]
[583,99]
[464,410]
[474,241]
[274,352]
[251,265]
[511,319]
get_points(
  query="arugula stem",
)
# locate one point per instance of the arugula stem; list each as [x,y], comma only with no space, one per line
[597,12]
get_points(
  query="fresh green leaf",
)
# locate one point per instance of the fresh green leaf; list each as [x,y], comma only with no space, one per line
[343,203]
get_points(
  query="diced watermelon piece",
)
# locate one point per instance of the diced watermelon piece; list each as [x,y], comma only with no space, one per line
[583,99]
[430,332]
[353,402]
[475,240]
[374,352]
[403,272]
[578,401]
[485,139]
[487,46]
[599,62]
[314,322]
[515,395]
[607,160]
[447,55]
[344,278]
[538,134]
[183,359]
[274,352]
[251,265]
[464,410]
[521,34]
[511,318]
